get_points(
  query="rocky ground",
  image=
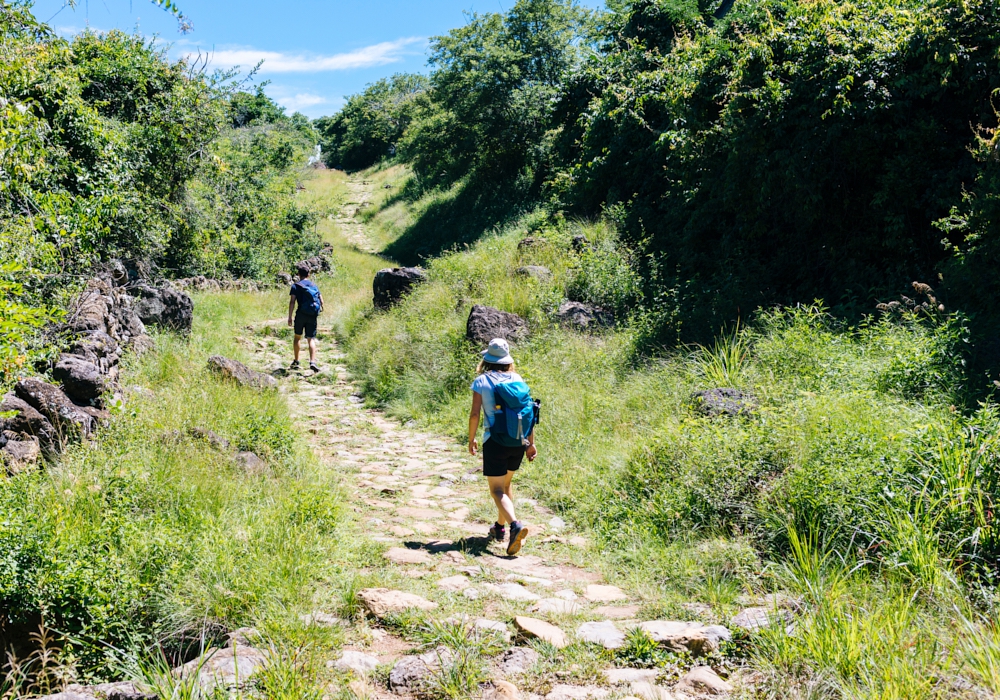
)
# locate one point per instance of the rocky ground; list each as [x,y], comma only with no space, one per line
[423,500]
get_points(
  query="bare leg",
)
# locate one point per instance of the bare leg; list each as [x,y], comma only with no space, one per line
[295,346]
[312,350]
[505,505]
[508,489]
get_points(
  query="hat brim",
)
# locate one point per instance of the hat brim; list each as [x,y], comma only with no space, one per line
[497,360]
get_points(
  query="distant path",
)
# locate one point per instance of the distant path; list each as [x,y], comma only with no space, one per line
[347,217]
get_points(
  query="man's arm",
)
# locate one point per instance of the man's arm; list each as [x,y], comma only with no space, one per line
[291,310]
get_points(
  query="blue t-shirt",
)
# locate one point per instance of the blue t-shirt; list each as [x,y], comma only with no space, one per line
[302,296]
[482,386]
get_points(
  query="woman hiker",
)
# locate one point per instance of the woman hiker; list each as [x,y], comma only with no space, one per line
[501,460]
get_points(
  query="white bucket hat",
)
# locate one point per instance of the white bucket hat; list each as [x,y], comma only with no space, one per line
[498,353]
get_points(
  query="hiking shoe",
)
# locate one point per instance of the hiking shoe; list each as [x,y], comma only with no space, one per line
[517,534]
[314,367]
[294,365]
[498,532]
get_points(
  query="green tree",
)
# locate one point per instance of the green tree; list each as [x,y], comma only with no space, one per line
[371,124]
[493,88]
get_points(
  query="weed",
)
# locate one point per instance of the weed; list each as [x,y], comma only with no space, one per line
[726,363]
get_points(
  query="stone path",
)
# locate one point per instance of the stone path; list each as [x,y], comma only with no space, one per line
[422,502]
[347,217]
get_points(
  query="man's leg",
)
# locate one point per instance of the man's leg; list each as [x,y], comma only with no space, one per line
[505,506]
[295,346]
[312,350]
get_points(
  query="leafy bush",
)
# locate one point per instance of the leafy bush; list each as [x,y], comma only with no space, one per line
[371,124]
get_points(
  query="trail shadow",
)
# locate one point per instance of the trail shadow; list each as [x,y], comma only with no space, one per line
[473,546]
[476,208]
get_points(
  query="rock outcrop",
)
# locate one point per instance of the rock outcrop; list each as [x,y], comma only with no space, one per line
[486,323]
[82,380]
[391,284]
[240,373]
[575,314]
[27,421]
[69,421]
[164,307]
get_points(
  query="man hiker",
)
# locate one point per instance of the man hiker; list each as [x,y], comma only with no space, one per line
[310,303]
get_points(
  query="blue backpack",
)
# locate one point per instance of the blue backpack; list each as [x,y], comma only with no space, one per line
[516,413]
[309,302]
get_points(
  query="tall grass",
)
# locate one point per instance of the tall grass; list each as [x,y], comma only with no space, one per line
[856,441]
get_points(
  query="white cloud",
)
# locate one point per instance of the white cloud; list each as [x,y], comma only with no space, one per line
[278,62]
[301,101]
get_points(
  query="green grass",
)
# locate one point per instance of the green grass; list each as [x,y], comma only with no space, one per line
[856,438]
[149,538]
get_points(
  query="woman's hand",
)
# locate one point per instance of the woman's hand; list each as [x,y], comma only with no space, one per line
[531,453]
[473,446]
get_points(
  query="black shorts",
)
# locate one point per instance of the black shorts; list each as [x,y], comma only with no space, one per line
[306,323]
[499,459]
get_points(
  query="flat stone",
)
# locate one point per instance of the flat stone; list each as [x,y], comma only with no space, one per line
[556,606]
[401,555]
[440,492]
[520,578]
[648,691]
[225,668]
[566,594]
[578,541]
[603,594]
[517,660]
[557,523]
[400,531]
[356,661]
[512,591]
[685,636]
[454,583]
[603,633]
[530,628]
[620,676]
[758,618]
[502,690]
[702,679]
[418,513]
[623,612]
[471,593]
[382,601]
[577,692]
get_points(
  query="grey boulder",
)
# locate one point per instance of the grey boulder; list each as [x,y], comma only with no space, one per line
[240,373]
[82,380]
[392,283]
[164,308]
[486,323]
[68,420]
[27,420]
[576,314]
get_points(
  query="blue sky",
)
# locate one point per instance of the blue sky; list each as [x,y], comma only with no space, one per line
[315,52]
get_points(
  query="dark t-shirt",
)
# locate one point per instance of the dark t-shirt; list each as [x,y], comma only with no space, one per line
[303,299]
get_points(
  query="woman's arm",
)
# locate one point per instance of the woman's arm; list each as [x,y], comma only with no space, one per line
[531,452]
[477,406]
